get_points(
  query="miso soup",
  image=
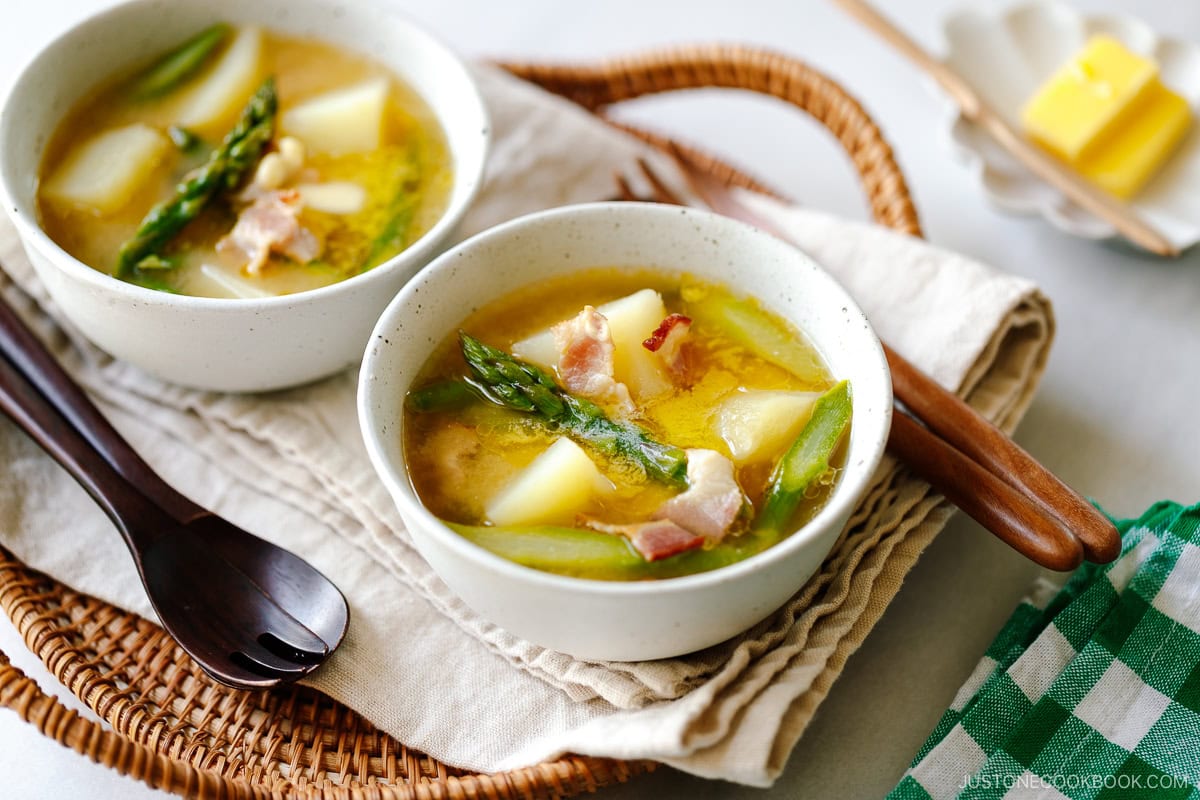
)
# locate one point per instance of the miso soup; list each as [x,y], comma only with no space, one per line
[245,163]
[625,425]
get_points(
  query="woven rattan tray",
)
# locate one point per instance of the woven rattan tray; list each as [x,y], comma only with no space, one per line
[175,729]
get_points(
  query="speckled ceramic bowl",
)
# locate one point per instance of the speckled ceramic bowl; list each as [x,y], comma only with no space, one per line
[611,620]
[212,343]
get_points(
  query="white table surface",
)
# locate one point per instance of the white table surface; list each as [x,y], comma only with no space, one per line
[1117,415]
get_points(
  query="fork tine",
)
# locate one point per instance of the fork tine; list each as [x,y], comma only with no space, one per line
[715,193]
[286,636]
[289,582]
[662,192]
[258,659]
[291,650]
[624,190]
[690,175]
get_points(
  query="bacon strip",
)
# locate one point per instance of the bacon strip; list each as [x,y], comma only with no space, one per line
[270,225]
[656,539]
[667,340]
[713,500]
[585,363]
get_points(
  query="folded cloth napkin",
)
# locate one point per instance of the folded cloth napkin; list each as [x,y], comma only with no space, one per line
[1091,691]
[290,466]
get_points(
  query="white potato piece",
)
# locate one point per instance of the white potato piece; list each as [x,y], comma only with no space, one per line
[103,173]
[760,425]
[212,107]
[556,486]
[631,320]
[538,350]
[333,197]
[232,285]
[348,120]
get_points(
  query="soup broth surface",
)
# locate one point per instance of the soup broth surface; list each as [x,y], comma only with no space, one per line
[460,458]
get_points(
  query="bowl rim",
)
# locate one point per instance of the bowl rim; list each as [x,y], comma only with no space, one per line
[855,477]
[31,231]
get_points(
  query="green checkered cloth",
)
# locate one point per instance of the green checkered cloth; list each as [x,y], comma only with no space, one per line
[1089,692]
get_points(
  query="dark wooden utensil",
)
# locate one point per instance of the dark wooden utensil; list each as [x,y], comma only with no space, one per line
[250,613]
[942,439]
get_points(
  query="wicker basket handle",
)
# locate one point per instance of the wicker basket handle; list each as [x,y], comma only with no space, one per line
[737,67]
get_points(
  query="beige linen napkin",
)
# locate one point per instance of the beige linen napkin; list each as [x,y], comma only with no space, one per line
[416,662]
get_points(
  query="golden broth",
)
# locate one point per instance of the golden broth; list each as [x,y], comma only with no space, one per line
[408,178]
[455,479]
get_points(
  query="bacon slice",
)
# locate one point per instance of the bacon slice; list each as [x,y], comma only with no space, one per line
[270,225]
[667,341]
[585,362]
[713,500]
[656,539]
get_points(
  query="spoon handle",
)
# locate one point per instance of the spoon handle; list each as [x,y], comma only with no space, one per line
[30,357]
[138,519]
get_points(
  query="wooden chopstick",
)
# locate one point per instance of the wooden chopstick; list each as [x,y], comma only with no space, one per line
[952,420]
[1120,215]
[967,458]
[1006,512]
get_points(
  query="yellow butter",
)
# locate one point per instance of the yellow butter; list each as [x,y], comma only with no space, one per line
[1108,115]
[1135,151]
[1087,97]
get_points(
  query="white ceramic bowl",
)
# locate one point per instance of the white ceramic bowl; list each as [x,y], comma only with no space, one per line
[612,620]
[210,343]
[1008,54]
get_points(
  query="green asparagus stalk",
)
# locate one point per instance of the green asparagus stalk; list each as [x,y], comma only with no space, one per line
[508,381]
[807,459]
[180,64]
[224,170]
[603,556]
[565,551]
[184,140]
[744,321]
[401,210]
[441,396]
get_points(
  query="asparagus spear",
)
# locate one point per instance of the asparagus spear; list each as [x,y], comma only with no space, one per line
[591,554]
[184,140]
[401,210]
[181,63]
[745,322]
[224,170]
[507,381]
[441,396]
[557,549]
[807,459]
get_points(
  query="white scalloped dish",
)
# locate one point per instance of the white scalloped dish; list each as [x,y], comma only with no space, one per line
[1006,56]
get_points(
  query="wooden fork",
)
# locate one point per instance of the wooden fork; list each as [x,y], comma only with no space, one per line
[942,439]
[252,614]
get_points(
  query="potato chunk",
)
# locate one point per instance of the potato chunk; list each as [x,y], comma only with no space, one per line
[333,197]
[631,320]
[211,108]
[760,425]
[348,120]
[103,173]
[556,486]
